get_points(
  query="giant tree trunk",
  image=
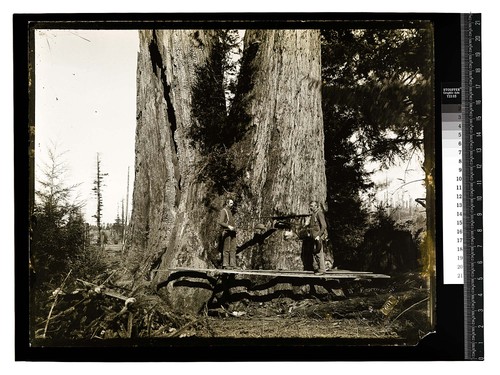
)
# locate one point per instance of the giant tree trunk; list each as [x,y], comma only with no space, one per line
[282,152]
[167,215]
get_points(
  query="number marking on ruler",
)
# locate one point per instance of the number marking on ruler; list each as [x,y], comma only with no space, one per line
[472,187]
[452,135]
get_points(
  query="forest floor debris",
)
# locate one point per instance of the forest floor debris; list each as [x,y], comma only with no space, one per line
[96,311]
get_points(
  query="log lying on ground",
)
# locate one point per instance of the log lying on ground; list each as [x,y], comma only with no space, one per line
[100,289]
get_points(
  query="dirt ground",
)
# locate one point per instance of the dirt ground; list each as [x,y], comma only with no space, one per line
[276,327]
[354,318]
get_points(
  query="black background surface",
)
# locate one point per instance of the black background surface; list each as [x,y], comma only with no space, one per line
[447,343]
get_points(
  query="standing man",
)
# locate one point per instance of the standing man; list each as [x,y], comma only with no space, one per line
[228,236]
[317,228]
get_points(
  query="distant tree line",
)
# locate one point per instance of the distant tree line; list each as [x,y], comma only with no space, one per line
[60,237]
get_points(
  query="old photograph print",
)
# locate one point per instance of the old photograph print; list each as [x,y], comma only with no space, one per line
[246,183]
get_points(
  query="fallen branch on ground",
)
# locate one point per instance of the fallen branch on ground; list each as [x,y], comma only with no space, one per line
[106,291]
[58,290]
[409,308]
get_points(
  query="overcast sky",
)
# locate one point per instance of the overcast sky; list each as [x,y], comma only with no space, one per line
[85,104]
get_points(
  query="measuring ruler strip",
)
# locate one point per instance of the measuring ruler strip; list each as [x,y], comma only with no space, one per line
[472,187]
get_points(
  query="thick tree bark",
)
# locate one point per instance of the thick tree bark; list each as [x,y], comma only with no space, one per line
[280,150]
[282,153]
[167,215]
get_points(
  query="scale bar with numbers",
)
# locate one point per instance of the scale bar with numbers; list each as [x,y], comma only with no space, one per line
[472,187]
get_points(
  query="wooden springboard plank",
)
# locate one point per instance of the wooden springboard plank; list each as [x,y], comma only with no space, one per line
[334,274]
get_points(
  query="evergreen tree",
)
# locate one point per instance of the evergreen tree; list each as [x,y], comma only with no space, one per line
[58,226]
[376,105]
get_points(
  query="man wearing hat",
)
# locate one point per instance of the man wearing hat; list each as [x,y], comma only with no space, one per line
[317,228]
[228,235]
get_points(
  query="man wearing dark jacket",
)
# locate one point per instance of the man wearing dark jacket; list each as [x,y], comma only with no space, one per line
[228,235]
[317,228]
